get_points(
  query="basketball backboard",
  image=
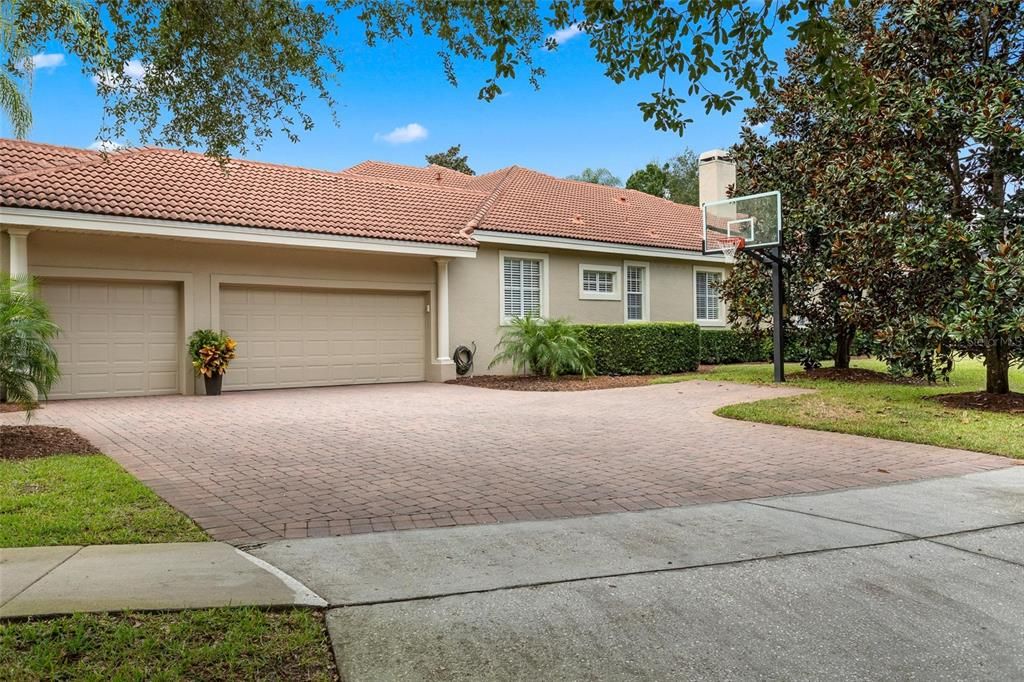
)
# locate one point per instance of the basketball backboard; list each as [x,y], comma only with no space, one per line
[750,222]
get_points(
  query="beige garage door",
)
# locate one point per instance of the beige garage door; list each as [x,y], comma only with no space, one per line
[306,337]
[117,338]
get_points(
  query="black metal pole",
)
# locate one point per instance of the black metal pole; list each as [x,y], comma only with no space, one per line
[778,323]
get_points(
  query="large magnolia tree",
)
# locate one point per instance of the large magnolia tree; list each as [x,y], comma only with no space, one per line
[844,180]
[902,219]
[950,76]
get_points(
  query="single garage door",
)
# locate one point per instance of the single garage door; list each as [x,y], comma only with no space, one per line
[313,337]
[117,338]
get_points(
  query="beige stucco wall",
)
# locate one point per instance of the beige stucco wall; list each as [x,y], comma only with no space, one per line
[201,267]
[476,293]
[474,299]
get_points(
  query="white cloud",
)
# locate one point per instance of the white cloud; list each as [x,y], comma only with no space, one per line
[564,35]
[105,146]
[404,134]
[47,60]
[133,69]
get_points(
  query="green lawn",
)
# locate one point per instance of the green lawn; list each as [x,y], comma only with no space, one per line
[83,500]
[215,644]
[892,411]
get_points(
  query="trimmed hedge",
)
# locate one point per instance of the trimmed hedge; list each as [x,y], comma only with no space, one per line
[729,346]
[672,347]
[645,348]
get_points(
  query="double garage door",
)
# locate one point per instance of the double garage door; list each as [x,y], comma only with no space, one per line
[125,338]
[305,337]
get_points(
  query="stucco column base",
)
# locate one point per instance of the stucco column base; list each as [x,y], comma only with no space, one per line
[439,371]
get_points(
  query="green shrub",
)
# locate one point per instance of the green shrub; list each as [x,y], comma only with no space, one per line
[28,362]
[548,347]
[730,346]
[646,348]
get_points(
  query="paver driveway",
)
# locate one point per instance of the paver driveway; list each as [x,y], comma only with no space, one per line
[261,465]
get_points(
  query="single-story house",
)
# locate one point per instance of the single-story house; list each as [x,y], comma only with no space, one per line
[371,274]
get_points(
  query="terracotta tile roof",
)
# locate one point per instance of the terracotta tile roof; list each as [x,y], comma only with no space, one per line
[373,199]
[524,201]
[431,174]
[174,185]
[17,156]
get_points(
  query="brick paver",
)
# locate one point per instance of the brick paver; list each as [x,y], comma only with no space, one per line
[262,465]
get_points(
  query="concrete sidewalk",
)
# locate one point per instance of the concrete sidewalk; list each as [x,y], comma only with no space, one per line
[54,580]
[916,581]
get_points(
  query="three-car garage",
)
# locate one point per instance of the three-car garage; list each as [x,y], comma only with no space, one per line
[127,338]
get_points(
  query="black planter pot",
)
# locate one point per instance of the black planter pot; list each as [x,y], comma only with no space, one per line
[213,384]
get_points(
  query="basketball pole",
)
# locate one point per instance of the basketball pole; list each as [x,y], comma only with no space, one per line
[778,308]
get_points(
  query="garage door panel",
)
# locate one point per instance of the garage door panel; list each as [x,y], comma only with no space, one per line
[134,323]
[91,294]
[163,382]
[322,337]
[117,338]
[163,323]
[163,352]
[90,323]
[56,294]
[127,295]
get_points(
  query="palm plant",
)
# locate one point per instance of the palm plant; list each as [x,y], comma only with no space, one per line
[548,347]
[14,103]
[28,363]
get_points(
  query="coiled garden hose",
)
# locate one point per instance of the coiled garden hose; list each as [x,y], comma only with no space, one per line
[463,358]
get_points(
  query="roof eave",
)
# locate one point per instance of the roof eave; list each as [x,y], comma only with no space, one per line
[485,236]
[173,229]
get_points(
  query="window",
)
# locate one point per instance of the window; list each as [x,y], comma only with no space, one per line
[523,286]
[637,303]
[706,286]
[599,282]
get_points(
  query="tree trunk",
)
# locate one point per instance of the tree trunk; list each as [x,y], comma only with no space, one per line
[844,343]
[997,366]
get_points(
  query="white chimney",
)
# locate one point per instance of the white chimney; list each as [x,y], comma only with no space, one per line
[717,173]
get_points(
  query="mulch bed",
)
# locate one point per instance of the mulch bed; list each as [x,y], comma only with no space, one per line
[13,407]
[855,375]
[1010,403]
[27,442]
[565,383]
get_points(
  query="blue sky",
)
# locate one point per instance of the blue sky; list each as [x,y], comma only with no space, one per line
[578,118]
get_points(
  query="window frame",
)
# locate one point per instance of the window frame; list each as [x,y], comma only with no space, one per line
[544,289]
[709,322]
[614,295]
[646,292]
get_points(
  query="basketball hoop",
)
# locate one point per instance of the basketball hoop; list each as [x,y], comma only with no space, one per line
[728,246]
[753,223]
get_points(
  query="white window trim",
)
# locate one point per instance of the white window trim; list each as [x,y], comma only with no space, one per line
[647,291]
[718,321]
[614,295]
[528,255]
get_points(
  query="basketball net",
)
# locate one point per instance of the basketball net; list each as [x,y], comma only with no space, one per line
[729,246]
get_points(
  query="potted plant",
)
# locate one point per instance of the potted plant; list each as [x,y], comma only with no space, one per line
[211,351]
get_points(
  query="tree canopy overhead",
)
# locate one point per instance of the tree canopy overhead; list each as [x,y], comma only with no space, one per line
[222,76]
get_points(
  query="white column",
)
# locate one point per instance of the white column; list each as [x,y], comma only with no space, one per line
[5,259]
[443,351]
[18,248]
